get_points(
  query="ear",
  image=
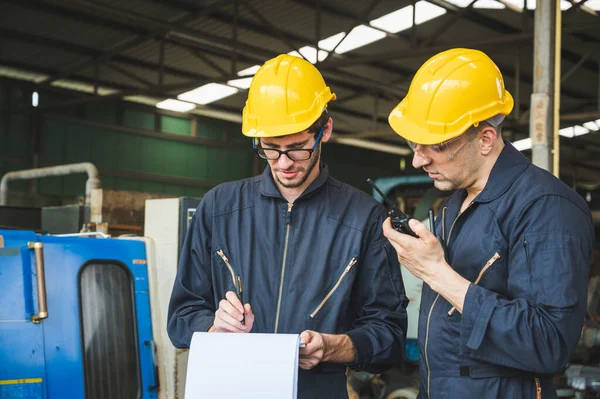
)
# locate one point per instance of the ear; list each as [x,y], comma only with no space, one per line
[327,129]
[488,139]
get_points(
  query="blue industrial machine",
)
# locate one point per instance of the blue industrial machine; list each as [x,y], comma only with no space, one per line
[75,318]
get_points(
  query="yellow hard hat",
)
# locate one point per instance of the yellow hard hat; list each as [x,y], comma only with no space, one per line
[286,96]
[452,91]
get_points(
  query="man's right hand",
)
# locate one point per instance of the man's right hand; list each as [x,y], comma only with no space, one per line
[228,318]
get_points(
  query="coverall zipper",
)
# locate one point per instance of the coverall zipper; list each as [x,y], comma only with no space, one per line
[488,264]
[538,388]
[226,260]
[438,295]
[285,248]
[335,287]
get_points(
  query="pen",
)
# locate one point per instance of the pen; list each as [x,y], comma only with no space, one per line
[431,221]
[239,294]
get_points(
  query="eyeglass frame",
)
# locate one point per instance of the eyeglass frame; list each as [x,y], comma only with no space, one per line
[282,152]
[437,147]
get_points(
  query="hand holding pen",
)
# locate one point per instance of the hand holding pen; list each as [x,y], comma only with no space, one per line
[231,313]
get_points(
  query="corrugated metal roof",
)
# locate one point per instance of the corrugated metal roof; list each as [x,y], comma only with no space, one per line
[44,38]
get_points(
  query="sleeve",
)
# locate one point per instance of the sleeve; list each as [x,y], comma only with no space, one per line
[537,331]
[379,330]
[192,307]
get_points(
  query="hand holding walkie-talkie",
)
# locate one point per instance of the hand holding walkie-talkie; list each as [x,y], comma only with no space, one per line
[398,218]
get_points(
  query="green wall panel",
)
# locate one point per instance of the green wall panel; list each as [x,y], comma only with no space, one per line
[101,112]
[113,149]
[139,119]
[171,124]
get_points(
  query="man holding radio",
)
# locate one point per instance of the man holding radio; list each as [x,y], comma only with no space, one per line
[506,272]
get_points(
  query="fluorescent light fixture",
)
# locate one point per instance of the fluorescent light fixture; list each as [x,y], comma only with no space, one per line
[175,105]
[522,145]
[35,99]
[396,21]
[425,11]
[591,125]
[249,71]
[565,5]
[489,4]
[208,93]
[330,42]
[459,3]
[598,122]
[531,4]
[310,53]
[358,37]
[243,83]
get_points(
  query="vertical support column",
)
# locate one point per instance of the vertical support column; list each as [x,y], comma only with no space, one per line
[557,84]
[541,126]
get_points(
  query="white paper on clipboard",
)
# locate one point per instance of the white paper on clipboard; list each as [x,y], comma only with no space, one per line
[229,365]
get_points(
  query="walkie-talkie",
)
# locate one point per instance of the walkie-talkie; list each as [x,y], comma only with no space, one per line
[398,218]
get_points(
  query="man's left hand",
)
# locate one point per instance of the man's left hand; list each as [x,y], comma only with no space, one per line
[313,353]
[333,348]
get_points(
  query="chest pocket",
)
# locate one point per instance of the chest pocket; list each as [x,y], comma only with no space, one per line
[493,275]
[336,286]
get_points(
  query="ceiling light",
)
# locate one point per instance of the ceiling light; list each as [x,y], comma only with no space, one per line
[358,37]
[591,125]
[489,4]
[332,41]
[396,21]
[35,99]
[522,145]
[175,105]
[565,5]
[249,71]
[425,11]
[243,83]
[208,93]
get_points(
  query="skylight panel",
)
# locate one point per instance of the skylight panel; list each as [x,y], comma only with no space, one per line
[523,145]
[358,37]
[243,83]
[426,11]
[591,125]
[175,105]
[592,5]
[310,53]
[459,3]
[567,132]
[208,93]
[249,71]
[489,5]
[396,21]
[330,42]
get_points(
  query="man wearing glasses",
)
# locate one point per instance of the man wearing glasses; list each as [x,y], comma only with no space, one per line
[506,272]
[293,250]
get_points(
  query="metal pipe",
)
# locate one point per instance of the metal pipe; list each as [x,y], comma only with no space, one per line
[541,123]
[557,84]
[92,182]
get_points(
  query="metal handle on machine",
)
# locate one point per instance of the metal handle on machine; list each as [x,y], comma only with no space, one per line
[38,249]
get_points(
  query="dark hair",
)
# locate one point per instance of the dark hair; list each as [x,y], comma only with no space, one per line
[316,127]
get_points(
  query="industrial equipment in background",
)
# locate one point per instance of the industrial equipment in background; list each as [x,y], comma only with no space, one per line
[83,314]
